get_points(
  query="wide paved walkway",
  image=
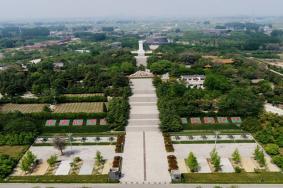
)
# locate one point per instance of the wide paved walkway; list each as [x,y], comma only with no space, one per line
[145,159]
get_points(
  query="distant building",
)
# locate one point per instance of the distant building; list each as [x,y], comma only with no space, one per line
[157,41]
[83,51]
[165,77]
[3,67]
[35,61]
[24,68]
[58,65]
[116,45]
[256,81]
[193,81]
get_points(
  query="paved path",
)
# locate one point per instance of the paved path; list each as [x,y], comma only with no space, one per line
[144,155]
[28,185]
[273,109]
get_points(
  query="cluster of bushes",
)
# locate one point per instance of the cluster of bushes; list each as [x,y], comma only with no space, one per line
[172,162]
[46,115]
[168,143]
[120,143]
[6,165]
[259,156]
[23,138]
[77,129]
[267,128]
[17,129]
[50,99]
[118,113]
[274,151]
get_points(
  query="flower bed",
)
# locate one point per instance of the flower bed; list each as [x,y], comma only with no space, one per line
[195,120]
[91,122]
[51,122]
[168,143]
[78,122]
[64,122]
[208,120]
[117,162]
[236,120]
[120,143]
[172,163]
[222,120]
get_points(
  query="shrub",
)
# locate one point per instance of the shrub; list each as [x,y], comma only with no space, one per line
[236,156]
[28,161]
[192,162]
[6,165]
[272,149]
[238,169]
[259,156]
[278,160]
[52,160]
[215,160]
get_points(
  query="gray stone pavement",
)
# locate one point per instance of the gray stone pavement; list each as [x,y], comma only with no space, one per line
[21,185]
[144,155]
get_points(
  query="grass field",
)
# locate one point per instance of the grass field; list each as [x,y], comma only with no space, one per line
[86,107]
[234,178]
[24,108]
[13,151]
[84,95]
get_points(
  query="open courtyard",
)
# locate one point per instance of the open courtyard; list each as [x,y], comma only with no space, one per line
[202,153]
[87,155]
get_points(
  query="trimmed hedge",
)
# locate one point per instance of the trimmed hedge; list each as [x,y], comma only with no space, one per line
[77,129]
[212,141]
[234,178]
[210,126]
[50,100]
[60,179]
[47,115]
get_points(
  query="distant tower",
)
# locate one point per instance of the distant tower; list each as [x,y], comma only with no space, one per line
[141,51]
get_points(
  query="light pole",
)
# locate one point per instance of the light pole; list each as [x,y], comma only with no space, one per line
[216,137]
[70,139]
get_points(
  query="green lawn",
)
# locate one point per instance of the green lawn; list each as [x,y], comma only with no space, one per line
[240,178]
[13,151]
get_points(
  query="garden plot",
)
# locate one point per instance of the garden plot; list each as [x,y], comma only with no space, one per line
[24,108]
[202,153]
[80,140]
[84,95]
[228,137]
[85,153]
[86,107]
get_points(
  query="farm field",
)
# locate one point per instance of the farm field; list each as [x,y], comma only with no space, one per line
[12,151]
[87,107]
[24,108]
[84,95]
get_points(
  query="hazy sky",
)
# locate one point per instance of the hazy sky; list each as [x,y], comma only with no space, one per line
[37,9]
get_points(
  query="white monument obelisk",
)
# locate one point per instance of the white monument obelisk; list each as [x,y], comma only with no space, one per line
[141,51]
[141,57]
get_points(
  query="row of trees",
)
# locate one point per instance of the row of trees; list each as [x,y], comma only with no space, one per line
[214,159]
[118,113]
